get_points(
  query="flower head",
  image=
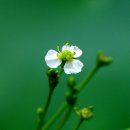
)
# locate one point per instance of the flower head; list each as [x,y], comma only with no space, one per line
[103,60]
[85,113]
[68,56]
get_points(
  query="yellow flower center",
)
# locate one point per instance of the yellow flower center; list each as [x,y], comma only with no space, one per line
[66,56]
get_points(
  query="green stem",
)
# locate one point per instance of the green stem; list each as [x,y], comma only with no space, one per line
[79,124]
[87,78]
[64,106]
[51,90]
[55,116]
[65,118]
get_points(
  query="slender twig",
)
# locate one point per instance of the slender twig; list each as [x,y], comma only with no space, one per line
[87,78]
[65,118]
[79,124]
[64,106]
[39,127]
[51,90]
[55,116]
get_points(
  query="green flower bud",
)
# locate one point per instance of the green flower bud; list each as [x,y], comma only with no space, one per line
[53,77]
[52,72]
[71,82]
[103,60]
[39,113]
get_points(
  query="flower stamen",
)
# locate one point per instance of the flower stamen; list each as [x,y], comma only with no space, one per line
[66,56]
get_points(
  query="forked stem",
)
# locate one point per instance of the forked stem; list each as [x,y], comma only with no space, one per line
[64,106]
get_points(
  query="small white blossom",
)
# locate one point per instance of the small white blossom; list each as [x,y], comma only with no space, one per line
[68,56]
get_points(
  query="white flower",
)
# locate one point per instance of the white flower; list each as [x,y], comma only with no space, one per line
[68,56]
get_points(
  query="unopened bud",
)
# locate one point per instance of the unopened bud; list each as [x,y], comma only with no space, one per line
[103,60]
[53,77]
[39,113]
[52,72]
[71,82]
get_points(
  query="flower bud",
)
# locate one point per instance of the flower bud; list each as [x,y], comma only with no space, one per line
[52,72]
[39,113]
[103,60]
[53,77]
[71,82]
[85,113]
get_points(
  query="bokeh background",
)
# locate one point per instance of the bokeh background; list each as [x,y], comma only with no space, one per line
[28,29]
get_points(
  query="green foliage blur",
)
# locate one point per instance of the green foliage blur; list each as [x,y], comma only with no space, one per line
[28,29]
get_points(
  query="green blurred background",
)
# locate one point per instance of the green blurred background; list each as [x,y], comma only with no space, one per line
[28,29]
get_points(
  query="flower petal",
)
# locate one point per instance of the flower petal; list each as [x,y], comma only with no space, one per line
[74,67]
[77,51]
[51,59]
[66,47]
